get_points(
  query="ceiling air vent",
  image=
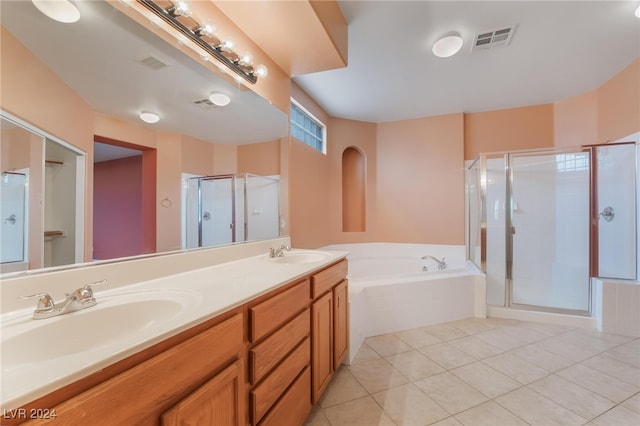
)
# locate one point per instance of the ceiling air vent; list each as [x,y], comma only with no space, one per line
[204,103]
[490,39]
[152,62]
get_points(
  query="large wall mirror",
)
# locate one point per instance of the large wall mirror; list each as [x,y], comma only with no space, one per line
[114,68]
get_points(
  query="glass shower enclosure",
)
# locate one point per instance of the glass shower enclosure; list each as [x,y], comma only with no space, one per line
[541,223]
[13,207]
[225,209]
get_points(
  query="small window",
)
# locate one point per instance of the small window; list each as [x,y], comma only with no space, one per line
[308,129]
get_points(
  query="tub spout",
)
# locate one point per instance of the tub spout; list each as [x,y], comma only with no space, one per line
[441,262]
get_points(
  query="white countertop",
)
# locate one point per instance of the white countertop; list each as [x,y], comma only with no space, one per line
[31,369]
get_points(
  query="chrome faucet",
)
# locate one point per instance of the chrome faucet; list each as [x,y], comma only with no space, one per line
[81,298]
[278,252]
[441,262]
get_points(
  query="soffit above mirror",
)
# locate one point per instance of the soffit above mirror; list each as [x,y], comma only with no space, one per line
[105,58]
[302,36]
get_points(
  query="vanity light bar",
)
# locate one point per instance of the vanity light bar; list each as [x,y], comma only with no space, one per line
[246,71]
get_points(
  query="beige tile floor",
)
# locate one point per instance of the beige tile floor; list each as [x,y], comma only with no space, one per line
[490,372]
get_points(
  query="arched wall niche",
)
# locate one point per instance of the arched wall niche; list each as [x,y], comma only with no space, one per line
[354,190]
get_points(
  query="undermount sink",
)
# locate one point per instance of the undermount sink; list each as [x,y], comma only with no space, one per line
[301,256]
[115,318]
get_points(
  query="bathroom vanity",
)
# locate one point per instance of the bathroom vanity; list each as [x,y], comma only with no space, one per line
[263,354]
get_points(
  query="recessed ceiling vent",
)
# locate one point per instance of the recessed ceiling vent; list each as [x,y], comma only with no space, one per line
[204,103]
[152,62]
[490,39]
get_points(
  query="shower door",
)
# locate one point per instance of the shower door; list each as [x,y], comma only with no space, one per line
[548,230]
[614,214]
[12,213]
[217,210]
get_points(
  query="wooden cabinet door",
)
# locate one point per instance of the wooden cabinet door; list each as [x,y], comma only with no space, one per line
[322,344]
[218,402]
[340,323]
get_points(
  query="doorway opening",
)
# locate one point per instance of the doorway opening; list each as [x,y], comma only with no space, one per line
[124,193]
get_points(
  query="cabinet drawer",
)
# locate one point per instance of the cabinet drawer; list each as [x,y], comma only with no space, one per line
[324,280]
[268,392]
[267,354]
[295,404]
[141,394]
[266,316]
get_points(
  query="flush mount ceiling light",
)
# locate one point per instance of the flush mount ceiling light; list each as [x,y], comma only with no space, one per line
[178,15]
[59,10]
[149,117]
[448,45]
[638,12]
[219,99]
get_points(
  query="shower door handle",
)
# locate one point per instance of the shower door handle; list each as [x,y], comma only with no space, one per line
[607,214]
[513,230]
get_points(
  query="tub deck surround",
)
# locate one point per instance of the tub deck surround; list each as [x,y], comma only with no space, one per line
[191,297]
[389,291]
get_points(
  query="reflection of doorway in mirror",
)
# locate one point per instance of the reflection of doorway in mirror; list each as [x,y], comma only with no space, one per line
[13,207]
[63,204]
[122,204]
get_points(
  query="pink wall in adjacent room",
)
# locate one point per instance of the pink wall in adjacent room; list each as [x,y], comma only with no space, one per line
[117,201]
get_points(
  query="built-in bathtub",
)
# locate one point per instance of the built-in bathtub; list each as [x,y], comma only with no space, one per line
[390,291]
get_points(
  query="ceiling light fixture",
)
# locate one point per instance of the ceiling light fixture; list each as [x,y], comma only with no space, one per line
[149,117]
[219,99]
[447,45]
[178,15]
[638,12]
[59,10]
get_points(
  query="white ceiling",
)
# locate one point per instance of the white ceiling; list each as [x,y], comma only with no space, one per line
[97,57]
[559,49]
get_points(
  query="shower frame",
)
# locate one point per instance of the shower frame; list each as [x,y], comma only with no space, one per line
[480,162]
[233,177]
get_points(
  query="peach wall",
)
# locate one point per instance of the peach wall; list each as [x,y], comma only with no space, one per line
[169,195]
[309,173]
[420,180]
[619,104]
[354,214]
[342,134]
[197,156]
[225,159]
[15,149]
[512,129]
[576,120]
[259,158]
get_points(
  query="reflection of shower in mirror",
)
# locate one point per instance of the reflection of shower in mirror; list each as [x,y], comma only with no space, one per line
[13,195]
[224,209]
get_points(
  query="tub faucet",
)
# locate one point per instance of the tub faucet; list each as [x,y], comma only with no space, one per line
[278,252]
[441,262]
[80,299]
